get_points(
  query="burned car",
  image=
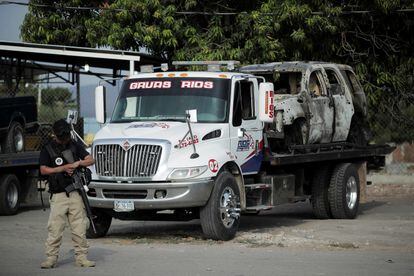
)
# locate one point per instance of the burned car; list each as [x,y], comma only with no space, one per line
[315,102]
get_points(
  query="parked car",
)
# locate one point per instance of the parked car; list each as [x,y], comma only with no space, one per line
[315,102]
[18,115]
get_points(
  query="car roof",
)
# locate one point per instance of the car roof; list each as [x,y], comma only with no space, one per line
[289,66]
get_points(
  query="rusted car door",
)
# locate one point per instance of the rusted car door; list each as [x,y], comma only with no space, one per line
[342,103]
[320,108]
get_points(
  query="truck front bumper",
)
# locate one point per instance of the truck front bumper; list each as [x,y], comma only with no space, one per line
[177,194]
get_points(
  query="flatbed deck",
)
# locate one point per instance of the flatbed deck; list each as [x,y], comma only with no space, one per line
[330,152]
[28,158]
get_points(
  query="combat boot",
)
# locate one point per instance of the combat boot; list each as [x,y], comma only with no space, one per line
[82,261]
[50,262]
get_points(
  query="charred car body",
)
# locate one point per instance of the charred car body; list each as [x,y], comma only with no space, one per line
[315,102]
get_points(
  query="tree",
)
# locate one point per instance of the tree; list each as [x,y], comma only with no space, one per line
[377,43]
[49,22]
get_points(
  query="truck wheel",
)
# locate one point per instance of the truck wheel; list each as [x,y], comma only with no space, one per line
[9,194]
[320,186]
[220,217]
[102,223]
[343,193]
[14,141]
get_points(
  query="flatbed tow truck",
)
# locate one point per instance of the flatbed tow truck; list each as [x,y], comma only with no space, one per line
[184,145]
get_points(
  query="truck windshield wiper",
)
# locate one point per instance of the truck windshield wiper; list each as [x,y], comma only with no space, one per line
[171,120]
[124,121]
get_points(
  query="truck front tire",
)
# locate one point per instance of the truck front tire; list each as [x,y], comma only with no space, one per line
[344,191]
[320,185]
[102,222]
[9,194]
[220,217]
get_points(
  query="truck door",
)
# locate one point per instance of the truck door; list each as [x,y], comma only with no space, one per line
[246,137]
[343,107]
[321,109]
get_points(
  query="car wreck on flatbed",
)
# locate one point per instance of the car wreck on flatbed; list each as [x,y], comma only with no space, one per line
[315,102]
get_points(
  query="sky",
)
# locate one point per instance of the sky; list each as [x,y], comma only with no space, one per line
[11,18]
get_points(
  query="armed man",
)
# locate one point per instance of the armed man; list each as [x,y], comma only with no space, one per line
[64,205]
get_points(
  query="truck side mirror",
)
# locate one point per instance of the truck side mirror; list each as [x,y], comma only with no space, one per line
[100,104]
[266,102]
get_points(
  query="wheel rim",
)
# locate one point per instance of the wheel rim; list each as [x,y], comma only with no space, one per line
[229,207]
[12,195]
[18,141]
[351,192]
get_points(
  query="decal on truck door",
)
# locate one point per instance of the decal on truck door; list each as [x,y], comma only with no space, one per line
[245,143]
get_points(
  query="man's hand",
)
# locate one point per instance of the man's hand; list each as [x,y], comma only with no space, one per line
[69,168]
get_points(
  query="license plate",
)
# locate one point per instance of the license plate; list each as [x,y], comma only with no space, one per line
[123,205]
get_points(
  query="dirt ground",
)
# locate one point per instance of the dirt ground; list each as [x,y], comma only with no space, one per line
[285,241]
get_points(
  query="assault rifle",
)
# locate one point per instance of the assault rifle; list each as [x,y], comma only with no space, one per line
[80,184]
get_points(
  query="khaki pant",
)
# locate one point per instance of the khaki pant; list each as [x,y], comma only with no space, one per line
[71,209]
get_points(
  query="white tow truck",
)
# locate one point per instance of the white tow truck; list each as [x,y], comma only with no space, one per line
[184,145]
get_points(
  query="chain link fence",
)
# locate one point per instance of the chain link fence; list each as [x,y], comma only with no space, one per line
[392,122]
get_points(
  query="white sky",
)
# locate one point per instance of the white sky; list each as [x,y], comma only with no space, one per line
[11,17]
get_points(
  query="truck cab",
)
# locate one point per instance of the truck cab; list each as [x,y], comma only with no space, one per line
[170,135]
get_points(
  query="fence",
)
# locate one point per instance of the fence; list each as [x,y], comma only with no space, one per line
[392,122]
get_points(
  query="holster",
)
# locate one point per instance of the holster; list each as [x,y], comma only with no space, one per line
[70,188]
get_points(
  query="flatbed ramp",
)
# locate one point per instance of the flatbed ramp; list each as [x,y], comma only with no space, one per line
[374,154]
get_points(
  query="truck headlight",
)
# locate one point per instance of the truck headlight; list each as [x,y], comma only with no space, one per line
[183,173]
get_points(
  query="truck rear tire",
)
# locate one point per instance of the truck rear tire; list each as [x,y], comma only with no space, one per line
[102,223]
[9,194]
[344,191]
[220,217]
[320,200]
[14,141]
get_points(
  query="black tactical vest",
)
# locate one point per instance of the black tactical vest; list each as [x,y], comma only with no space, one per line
[59,181]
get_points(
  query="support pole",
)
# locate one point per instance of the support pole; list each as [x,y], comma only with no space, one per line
[78,93]
[131,67]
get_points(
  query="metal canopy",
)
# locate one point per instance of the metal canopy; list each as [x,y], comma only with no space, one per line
[29,62]
[75,56]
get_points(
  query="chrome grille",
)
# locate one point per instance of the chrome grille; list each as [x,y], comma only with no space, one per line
[138,161]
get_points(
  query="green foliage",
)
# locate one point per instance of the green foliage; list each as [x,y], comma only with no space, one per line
[379,44]
[57,25]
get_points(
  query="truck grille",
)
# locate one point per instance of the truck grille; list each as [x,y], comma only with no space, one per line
[138,161]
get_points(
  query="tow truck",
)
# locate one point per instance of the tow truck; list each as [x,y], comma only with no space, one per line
[184,145]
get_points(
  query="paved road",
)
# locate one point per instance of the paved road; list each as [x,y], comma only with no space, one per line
[285,241]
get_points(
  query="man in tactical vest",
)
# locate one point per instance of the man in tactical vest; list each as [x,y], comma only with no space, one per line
[64,206]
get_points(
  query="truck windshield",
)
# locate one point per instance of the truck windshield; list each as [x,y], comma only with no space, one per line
[167,99]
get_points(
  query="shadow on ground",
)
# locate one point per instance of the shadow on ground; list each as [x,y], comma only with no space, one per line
[178,232]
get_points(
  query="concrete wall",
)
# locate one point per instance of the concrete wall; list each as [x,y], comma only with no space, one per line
[401,160]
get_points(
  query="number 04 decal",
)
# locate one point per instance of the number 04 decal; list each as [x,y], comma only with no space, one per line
[213,165]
